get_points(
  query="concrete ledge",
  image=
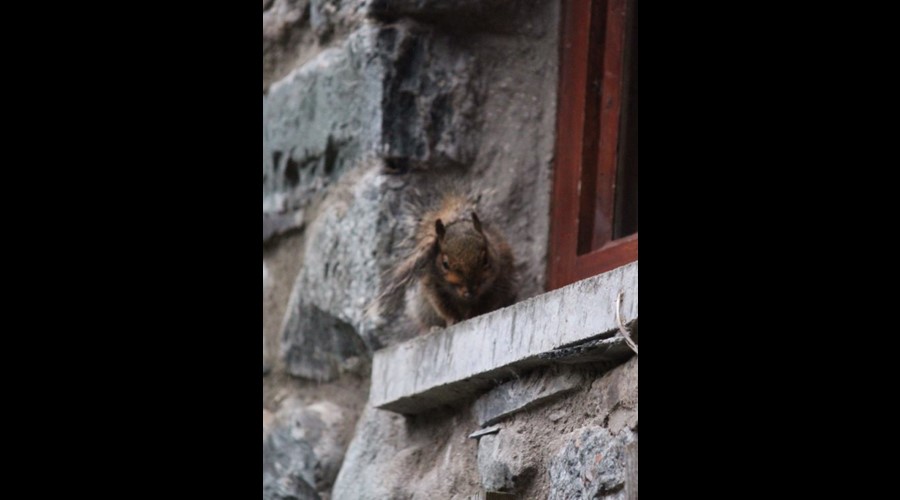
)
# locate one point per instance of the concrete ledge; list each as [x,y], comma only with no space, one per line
[460,361]
[521,394]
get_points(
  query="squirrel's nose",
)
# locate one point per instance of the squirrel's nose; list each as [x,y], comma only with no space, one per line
[465,293]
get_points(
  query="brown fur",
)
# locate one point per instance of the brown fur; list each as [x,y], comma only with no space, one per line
[463,268]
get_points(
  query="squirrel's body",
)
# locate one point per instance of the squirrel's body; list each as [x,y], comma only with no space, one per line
[461,267]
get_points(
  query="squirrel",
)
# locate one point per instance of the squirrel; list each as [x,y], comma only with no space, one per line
[461,266]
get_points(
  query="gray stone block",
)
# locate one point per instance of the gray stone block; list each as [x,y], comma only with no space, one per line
[320,425]
[319,346]
[318,121]
[348,248]
[288,467]
[503,462]
[302,452]
[393,457]
[430,99]
[367,472]
[400,92]
[521,394]
[457,362]
[592,464]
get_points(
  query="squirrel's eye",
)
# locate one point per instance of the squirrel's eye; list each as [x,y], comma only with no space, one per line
[446,263]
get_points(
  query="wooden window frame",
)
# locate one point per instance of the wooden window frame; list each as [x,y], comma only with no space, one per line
[587,143]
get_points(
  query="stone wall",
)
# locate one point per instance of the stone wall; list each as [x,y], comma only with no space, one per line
[362,101]
[563,442]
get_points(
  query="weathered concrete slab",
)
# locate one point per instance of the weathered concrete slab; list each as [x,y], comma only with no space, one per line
[457,362]
[524,393]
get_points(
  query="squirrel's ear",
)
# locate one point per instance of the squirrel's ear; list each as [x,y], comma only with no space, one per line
[476,222]
[439,228]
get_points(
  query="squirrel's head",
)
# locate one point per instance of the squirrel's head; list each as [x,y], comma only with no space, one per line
[464,258]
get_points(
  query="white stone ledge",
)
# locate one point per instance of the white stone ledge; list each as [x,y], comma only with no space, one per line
[455,363]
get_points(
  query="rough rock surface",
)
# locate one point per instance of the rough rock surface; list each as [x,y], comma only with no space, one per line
[294,31]
[303,448]
[502,464]
[424,457]
[317,122]
[285,33]
[616,397]
[282,262]
[592,464]
[430,99]
[326,330]
[318,346]
[288,466]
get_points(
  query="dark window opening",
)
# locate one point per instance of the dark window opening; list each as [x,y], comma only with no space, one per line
[594,214]
[626,213]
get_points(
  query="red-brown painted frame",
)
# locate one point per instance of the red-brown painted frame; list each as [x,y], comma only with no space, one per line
[587,140]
